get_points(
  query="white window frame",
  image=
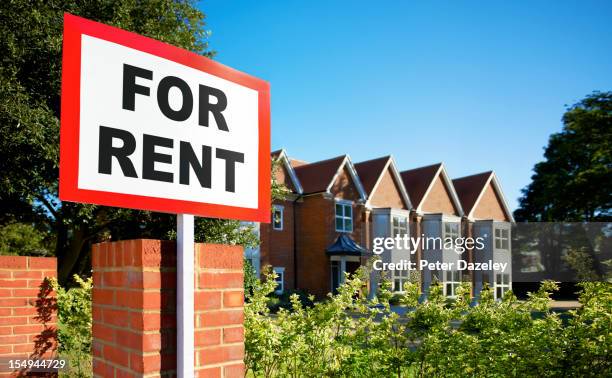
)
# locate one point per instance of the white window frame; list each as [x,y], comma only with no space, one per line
[400,277]
[399,229]
[503,284]
[280,209]
[280,279]
[452,281]
[344,204]
[451,233]
[501,238]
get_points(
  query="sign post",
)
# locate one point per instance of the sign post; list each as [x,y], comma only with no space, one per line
[146,125]
[184,295]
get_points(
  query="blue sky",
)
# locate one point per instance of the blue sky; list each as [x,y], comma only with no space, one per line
[477,85]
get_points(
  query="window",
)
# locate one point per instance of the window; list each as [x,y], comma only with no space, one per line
[280,280]
[399,278]
[452,283]
[277,218]
[451,230]
[502,284]
[502,238]
[344,216]
[399,226]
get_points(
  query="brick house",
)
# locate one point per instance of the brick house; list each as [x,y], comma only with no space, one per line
[326,225]
[487,215]
[386,211]
[437,213]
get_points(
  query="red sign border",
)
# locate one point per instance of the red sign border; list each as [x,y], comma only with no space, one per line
[74,28]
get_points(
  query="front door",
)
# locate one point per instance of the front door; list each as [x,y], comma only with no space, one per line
[335,276]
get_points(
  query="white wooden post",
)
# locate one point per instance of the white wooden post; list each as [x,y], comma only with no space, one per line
[184,296]
[342,269]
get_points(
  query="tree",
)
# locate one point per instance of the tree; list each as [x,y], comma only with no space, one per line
[30,77]
[574,182]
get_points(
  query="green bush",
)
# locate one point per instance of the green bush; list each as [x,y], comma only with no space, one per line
[349,336]
[74,326]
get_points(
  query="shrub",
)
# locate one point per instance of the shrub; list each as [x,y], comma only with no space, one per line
[347,335]
[74,330]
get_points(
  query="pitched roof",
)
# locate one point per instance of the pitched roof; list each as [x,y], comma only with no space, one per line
[282,155]
[469,189]
[316,177]
[418,180]
[369,172]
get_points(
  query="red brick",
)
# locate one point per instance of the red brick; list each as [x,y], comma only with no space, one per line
[6,331]
[27,329]
[24,311]
[5,349]
[219,256]
[96,313]
[114,279]
[13,262]
[14,320]
[207,337]
[12,283]
[221,318]
[207,300]
[95,256]
[151,342]
[5,293]
[50,273]
[233,335]
[13,339]
[102,332]
[233,298]
[30,293]
[234,371]
[152,363]
[218,280]
[115,355]
[222,353]
[213,372]
[23,348]
[103,296]
[6,274]
[43,263]
[28,274]
[124,374]
[102,369]
[119,318]
[152,321]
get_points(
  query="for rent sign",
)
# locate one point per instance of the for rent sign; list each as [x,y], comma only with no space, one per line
[150,126]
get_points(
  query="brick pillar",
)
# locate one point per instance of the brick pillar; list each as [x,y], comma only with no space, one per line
[27,321]
[134,309]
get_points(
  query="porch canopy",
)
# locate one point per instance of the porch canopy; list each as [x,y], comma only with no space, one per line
[345,246]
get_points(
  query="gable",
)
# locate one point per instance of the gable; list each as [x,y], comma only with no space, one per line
[344,187]
[387,193]
[281,174]
[438,200]
[490,206]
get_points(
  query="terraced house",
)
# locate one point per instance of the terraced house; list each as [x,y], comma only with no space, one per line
[326,226]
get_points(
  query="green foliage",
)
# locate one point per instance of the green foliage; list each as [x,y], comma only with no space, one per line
[578,160]
[74,331]
[250,277]
[22,239]
[346,335]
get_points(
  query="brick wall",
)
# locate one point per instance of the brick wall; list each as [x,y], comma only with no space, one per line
[27,323]
[277,246]
[134,309]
